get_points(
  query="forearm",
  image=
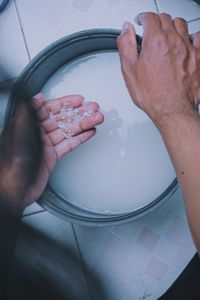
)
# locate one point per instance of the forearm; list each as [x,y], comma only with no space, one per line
[182,138]
[163,80]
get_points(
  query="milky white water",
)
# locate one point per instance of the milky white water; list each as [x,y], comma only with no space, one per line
[125,166]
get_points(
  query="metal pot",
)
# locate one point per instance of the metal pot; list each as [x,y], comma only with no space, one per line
[32,79]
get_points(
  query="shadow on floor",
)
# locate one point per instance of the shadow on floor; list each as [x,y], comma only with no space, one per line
[44,269]
[187,286]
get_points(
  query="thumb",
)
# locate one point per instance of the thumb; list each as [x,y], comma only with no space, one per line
[127,44]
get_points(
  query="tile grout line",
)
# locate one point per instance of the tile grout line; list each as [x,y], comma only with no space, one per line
[82,261]
[190,21]
[23,34]
[193,20]
[156,4]
[33,213]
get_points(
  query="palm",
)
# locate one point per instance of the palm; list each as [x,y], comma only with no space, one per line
[61,132]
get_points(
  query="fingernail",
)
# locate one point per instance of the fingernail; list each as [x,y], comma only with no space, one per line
[125,27]
[138,19]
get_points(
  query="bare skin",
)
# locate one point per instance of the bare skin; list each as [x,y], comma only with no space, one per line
[14,171]
[164,81]
[30,146]
[55,145]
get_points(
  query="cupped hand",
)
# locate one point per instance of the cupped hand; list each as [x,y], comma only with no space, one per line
[34,139]
[164,78]
[65,123]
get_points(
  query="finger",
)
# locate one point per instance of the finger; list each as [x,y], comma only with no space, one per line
[151,24]
[69,145]
[89,107]
[167,23]
[38,101]
[196,40]
[182,29]
[87,123]
[127,43]
[71,101]
[55,105]
[59,134]
[94,106]
[52,123]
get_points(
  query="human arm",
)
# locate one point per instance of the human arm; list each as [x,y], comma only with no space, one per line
[164,81]
[25,166]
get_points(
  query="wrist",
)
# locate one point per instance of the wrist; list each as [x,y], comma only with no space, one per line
[169,121]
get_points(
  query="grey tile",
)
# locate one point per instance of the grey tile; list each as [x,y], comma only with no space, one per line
[137,259]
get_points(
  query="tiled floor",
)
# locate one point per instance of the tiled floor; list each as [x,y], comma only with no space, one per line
[186,9]
[106,256]
[138,260]
[53,24]
[13,54]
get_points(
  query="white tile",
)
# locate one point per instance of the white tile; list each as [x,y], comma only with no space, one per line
[13,54]
[47,247]
[103,252]
[42,26]
[187,9]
